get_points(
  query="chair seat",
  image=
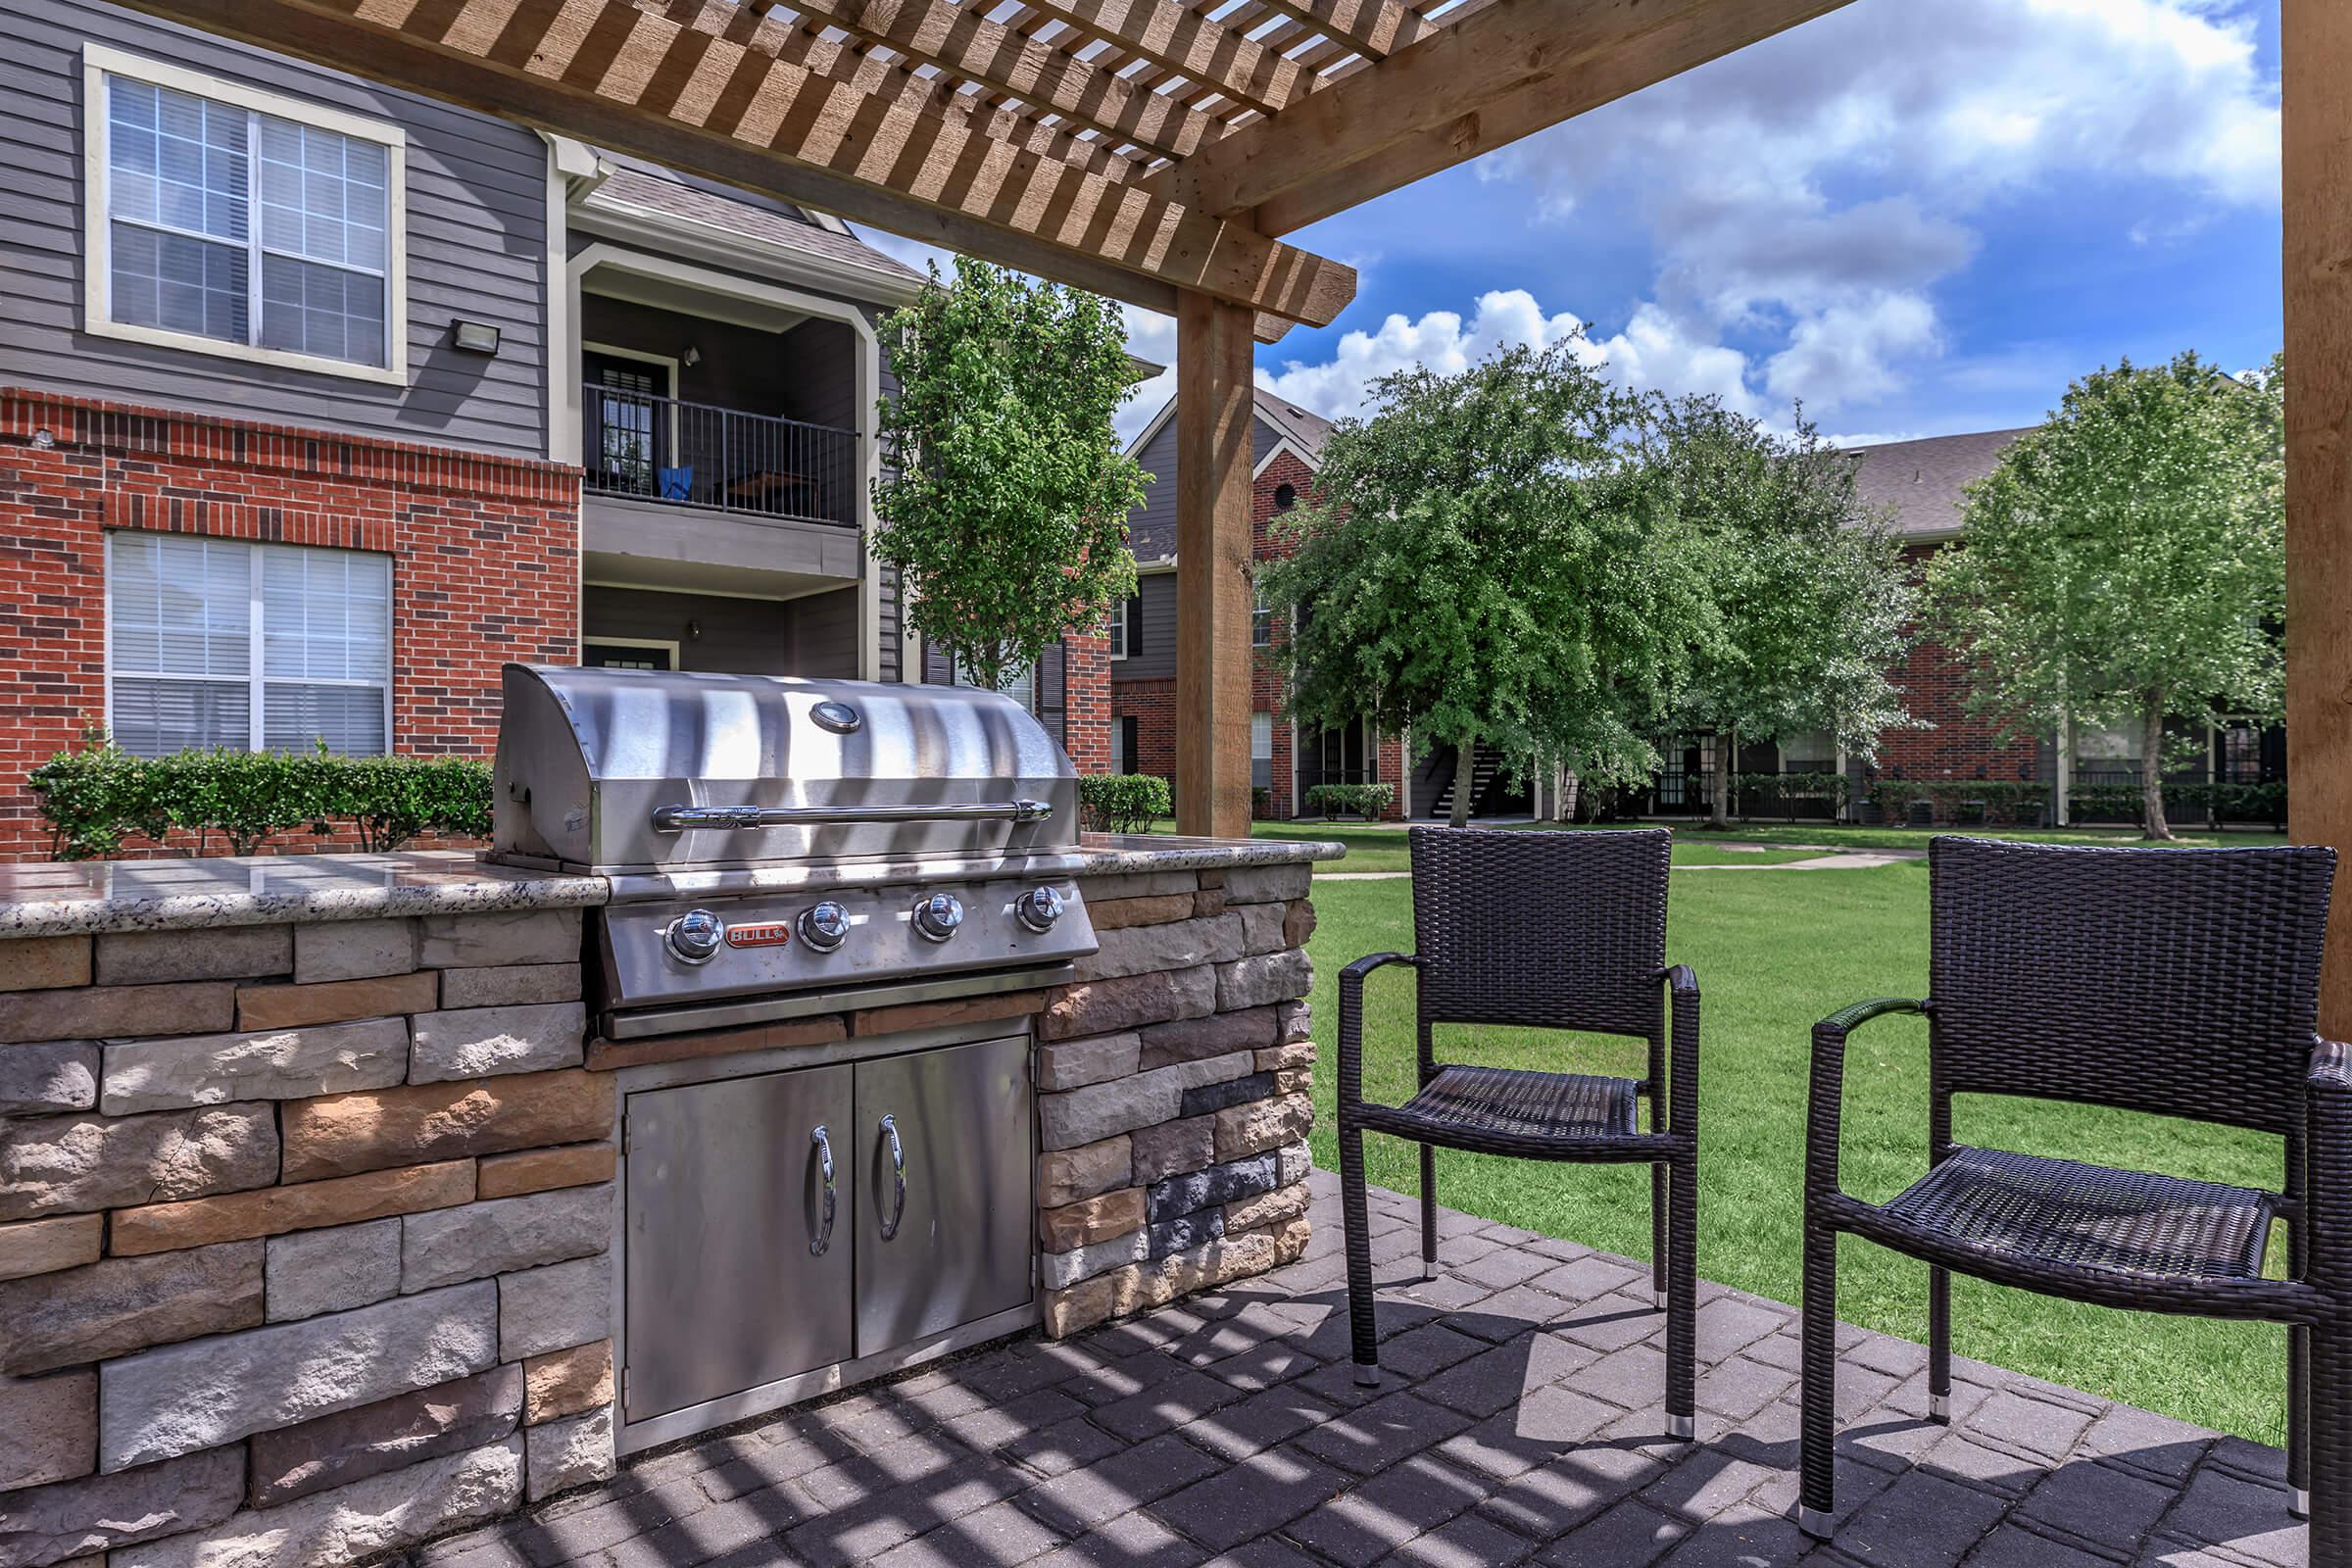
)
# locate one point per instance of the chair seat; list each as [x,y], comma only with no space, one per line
[1512,1104]
[2088,1216]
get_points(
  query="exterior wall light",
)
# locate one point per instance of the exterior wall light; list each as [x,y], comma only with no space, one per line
[474,337]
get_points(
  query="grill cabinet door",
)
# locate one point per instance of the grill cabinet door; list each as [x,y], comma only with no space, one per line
[725,1195]
[960,1250]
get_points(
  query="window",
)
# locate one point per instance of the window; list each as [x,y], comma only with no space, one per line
[1262,618]
[1808,752]
[1261,751]
[1019,684]
[215,642]
[1286,496]
[1126,628]
[236,222]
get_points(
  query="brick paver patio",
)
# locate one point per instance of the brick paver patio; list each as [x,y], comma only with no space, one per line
[1519,1421]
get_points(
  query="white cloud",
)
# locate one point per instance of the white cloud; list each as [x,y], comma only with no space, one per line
[1815,188]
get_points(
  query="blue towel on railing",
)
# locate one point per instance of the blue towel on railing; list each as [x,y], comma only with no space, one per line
[677,484]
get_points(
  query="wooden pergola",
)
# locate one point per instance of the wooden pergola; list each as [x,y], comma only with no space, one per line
[1157,151]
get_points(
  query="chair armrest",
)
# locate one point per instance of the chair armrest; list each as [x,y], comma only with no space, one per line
[1351,1021]
[2328,1168]
[1682,1074]
[1825,1100]
[2331,1070]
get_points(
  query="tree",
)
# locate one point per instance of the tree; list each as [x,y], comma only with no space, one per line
[1005,508]
[2126,563]
[1479,563]
[1809,587]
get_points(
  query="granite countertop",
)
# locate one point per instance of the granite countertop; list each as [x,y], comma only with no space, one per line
[58,898]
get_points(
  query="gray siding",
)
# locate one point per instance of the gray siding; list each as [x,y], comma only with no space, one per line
[1157,660]
[813,636]
[1152,526]
[476,248]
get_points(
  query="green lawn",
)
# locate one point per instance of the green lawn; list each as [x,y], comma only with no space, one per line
[1775,952]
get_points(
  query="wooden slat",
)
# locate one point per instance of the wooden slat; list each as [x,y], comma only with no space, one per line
[1691,39]
[978,50]
[1501,72]
[1188,43]
[1214,411]
[613,74]
[2316,51]
[1374,29]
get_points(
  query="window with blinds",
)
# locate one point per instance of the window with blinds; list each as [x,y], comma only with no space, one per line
[228,223]
[1261,751]
[215,642]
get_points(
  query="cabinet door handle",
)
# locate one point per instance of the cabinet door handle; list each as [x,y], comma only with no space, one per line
[898,1174]
[824,1163]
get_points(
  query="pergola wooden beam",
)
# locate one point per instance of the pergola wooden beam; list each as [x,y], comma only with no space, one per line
[1374,29]
[610,72]
[1527,56]
[1190,44]
[1691,37]
[965,42]
[2316,56]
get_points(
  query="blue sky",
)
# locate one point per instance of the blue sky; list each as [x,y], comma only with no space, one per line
[1918,216]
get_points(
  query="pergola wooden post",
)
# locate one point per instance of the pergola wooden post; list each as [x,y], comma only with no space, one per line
[1213,414]
[2316,51]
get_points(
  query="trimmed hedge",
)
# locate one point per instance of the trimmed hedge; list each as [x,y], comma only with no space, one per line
[1366,801]
[95,797]
[2004,802]
[2228,803]
[1123,803]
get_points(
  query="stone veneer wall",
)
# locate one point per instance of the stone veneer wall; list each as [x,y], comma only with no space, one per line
[304,1228]
[1173,1102]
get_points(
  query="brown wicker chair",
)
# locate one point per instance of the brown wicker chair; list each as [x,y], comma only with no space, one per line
[2179,982]
[1549,931]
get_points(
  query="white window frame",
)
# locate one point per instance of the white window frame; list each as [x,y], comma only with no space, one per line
[99,61]
[256,651]
[1115,628]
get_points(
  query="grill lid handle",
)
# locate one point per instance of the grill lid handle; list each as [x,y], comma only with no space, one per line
[740,818]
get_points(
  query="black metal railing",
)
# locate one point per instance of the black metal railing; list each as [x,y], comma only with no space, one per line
[700,454]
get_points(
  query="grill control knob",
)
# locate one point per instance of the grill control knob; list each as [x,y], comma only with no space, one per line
[824,926]
[936,917]
[693,937]
[1038,908]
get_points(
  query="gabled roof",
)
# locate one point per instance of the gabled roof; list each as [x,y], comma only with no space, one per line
[1151,529]
[1307,431]
[628,183]
[1922,483]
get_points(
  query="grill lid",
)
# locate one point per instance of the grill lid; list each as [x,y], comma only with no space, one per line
[645,770]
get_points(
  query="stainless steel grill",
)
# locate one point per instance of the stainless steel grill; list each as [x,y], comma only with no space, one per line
[780,846]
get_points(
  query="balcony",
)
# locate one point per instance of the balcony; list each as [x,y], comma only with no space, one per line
[670,452]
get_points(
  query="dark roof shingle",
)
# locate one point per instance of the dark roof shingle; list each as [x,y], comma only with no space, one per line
[1922,483]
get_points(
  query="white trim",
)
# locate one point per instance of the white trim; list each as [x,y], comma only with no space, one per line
[560,151]
[98,61]
[1286,444]
[868,359]
[671,645]
[1155,566]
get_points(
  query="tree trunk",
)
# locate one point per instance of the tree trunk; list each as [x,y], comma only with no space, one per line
[1565,804]
[1727,757]
[1464,755]
[2151,771]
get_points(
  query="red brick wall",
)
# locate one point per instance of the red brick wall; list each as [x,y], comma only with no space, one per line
[1086,722]
[1936,686]
[485,560]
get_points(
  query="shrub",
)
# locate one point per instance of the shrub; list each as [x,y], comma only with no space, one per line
[96,797]
[1366,801]
[1123,803]
[2012,802]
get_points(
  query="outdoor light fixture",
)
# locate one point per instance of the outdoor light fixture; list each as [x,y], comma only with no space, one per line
[691,358]
[474,337]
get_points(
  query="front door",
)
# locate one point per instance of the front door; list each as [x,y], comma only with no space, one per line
[624,443]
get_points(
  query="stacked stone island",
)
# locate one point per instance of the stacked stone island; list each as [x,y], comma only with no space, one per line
[307,1179]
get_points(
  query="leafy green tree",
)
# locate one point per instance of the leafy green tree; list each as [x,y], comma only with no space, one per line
[2126,563]
[1005,506]
[1481,563]
[1810,588]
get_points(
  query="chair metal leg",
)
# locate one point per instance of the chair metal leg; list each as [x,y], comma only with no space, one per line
[1681,1292]
[2329,1499]
[1817,1496]
[1429,1212]
[1355,1220]
[1659,1199]
[2298,1418]
[1939,1344]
